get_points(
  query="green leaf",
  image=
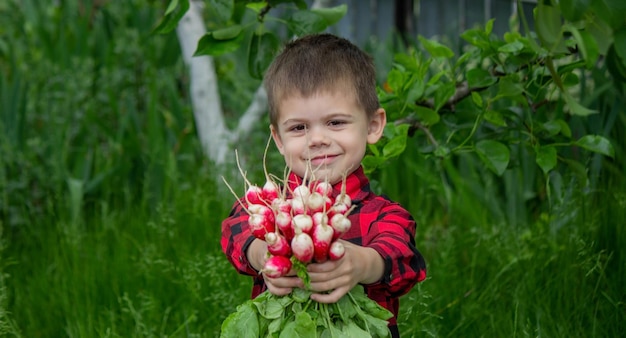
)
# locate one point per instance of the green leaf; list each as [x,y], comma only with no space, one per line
[302,327]
[494,154]
[395,80]
[370,163]
[489,26]
[227,33]
[477,99]
[546,158]
[576,108]
[332,15]
[443,94]
[223,8]
[619,44]
[511,48]
[397,144]
[261,53]
[241,323]
[548,25]
[436,49]
[174,12]
[477,38]
[209,45]
[306,22]
[586,44]
[427,116]
[256,7]
[602,34]
[479,78]
[509,88]
[495,117]
[574,10]
[596,144]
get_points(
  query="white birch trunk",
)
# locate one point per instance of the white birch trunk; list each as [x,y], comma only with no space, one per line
[206,103]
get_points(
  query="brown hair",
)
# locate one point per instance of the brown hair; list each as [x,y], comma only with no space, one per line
[321,62]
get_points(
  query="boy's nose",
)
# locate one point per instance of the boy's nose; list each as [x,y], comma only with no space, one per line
[317,137]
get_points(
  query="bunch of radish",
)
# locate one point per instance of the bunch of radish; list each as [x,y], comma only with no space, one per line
[299,226]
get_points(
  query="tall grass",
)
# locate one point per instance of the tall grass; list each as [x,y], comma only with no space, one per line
[110,215]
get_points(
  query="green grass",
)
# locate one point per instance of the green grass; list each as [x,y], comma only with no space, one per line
[142,272]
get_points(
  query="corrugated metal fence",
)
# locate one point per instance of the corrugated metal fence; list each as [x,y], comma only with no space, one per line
[445,19]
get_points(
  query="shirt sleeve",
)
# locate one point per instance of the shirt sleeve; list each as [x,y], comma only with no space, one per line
[392,235]
[236,238]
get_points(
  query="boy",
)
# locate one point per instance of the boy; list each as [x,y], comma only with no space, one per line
[324,110]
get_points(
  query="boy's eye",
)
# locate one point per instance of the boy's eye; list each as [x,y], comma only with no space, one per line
[336,122]
[298,127]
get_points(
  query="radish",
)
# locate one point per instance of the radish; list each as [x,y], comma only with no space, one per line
[260,225]
[315,202]
[254,195]
[336,251]
[302,247]
[276,266]
[298,206]
[277,245]
[302,191]
[283,221]
[322,236]
[302,223]
[337,209]
[343,199]
[281,204]
[269,192]
[319,218]
[341,224]
[323,188]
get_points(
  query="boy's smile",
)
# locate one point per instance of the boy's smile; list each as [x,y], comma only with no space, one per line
[325,134]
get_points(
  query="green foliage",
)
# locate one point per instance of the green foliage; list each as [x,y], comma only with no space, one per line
[255,32]
[296,315]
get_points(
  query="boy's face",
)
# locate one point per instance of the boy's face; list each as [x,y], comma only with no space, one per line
[326,134]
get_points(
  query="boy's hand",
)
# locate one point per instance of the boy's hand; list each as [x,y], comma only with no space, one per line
[283,285]
[358,265]
[257,255]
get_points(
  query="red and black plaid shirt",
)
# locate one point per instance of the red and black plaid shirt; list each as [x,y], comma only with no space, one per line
[377,223]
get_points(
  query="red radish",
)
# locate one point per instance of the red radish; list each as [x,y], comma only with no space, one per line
[281,204]
[276,266]
[302,247]
[269,191]
[258,209]
[316,202]
[343,199]
[322,236]
[319,218]
[298,206]
[337,209]
[277,245]
[254,195]
[324,188]
[283,221]
[259,225]
[302,223]
[302,191]
[341,224]
[336,251]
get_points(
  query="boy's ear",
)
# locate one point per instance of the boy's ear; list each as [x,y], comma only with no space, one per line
[277,140]
[376,126]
